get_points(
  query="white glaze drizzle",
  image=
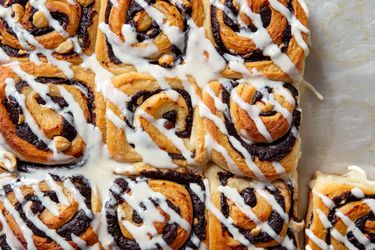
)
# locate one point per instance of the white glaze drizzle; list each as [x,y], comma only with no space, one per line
[358,193]
[12,241]
[263,40]
[202,68]
[27,233]
[233,195]
[141,194]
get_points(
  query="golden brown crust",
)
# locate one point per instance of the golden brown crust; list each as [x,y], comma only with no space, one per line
[336,202]
[168,190]
[253,195]
[167,55]
[70,217]
[13,124]
[156,102]
[79,20]
[240,126]
[219,31]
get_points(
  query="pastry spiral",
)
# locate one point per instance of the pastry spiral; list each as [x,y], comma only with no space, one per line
[156,33]
[44,116]
[56,213]
[341,212]
[157,209]
[253,126]
[160,127]
[53,25]
[247,29]
[250,213]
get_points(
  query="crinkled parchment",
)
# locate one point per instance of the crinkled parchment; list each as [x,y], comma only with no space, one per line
[340,130]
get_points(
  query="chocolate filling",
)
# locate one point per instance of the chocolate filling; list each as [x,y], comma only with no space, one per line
[8,3]
[275,221]
[77,225]
[274,151]
[60,17]
[170,231]
[171,116]
[24,131]
[3,243]
[152,32]
[25,167]
[86,21]
[341,201]
[265,14]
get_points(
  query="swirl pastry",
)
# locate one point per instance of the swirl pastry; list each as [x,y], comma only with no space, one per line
[139,32]
[160,127]
[268,35]
[253,126]
[60,27]
[45,117]
[56,213]
[251,214]
[341,212]
[157,209]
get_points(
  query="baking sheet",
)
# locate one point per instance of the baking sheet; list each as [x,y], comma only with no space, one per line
[340,130]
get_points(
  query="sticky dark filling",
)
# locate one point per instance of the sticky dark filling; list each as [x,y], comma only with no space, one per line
[275,221]
[86,21]
[265,13]
[274,151]
[170,116]
[152,32]
[3,243]
[77,225]
[169,233]
[60,17]
[341,201]
[24,131]
[23,166]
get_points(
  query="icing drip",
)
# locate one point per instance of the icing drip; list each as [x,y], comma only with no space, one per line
[335,215]
[28,210]
[201,61]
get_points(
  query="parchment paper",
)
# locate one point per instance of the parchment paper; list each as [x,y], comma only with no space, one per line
[340,130]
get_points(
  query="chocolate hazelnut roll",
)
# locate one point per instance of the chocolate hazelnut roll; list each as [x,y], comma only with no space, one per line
[341,212]
[155,125]
[55,213]
[62,28]
[247,214]
[152,31]
[157,209]
[46,117]
[268,35]
[253,126]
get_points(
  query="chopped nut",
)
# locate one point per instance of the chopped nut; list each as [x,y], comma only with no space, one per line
[65,47]
[256,231]
[40,20]
[18,12]
[21,119]
[140,100]
[85,3]
[21,52]
[61,143]
[166,60]
[142,21]
[297,226]
[265,107]
[8,161]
